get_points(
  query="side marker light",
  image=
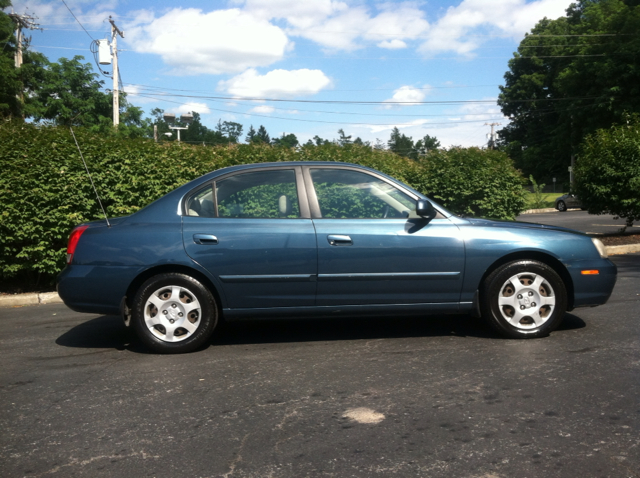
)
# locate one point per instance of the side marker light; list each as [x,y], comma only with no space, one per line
[590,273]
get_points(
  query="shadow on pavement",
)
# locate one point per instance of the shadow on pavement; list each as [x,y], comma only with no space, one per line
[106,332]
[571,322]
[109,331]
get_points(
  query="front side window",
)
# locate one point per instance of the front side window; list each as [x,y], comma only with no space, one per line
[349,194]
[262,194]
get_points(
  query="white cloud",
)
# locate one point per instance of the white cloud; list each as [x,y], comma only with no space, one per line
[392,44]
[376,128]
[133,93]
[299,14]
[263,109]
[337,26]
[509,18]
[201,108]
[395,22]
[465,128]
[408,96]
[276,83]
[354,28]
[52,12]
[222,41]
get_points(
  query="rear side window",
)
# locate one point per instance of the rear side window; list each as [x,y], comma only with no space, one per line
[201,203]
[263,194]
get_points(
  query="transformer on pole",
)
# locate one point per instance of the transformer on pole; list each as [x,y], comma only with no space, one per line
[104,53]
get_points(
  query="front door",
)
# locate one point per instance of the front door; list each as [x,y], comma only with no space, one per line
[373,249]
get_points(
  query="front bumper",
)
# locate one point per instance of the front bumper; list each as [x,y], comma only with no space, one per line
[592,289]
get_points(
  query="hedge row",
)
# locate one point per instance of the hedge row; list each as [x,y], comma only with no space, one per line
[45,192]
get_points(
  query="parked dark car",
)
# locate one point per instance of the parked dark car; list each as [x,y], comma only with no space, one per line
[322,239]
[568,201]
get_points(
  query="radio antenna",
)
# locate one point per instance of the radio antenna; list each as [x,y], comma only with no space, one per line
[89,174]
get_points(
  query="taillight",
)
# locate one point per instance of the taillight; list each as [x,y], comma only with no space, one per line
[73,242]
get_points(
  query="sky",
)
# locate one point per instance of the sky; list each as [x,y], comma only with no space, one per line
[307,67]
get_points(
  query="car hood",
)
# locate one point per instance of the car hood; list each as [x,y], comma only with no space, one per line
[520,225]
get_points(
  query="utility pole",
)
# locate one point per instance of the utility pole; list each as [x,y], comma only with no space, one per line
[492,136]
[21,21]
[115,31]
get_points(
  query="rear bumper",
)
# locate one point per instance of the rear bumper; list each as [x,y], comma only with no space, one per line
[95,289]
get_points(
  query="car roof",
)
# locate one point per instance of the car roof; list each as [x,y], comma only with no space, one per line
[241,167]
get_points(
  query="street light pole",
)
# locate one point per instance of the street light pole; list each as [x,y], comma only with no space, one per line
[170,118]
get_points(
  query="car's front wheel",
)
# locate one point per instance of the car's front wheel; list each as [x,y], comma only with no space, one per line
[524,299]
[174,313]
[562,207]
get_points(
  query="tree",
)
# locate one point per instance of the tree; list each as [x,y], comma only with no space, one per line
[426,144]
[262,136]
[257,137]
[401,144]
[318,141]
[71,95]
[359,142]
[344,140]
[230,130]
[608,172]
[250,134]
[288,141]
[198,133]
[570,77]
[132,124]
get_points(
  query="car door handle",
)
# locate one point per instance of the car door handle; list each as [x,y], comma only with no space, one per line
[339,240]
[205,239]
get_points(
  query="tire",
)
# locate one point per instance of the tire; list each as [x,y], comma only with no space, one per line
[524,299]
[561,206]
[174,313]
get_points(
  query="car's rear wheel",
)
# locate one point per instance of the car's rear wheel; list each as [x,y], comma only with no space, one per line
[524,299]
[174,313]
[562,207]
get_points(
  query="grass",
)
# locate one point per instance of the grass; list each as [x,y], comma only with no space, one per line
[548,200]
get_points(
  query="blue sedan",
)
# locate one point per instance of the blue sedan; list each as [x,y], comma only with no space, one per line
[322,239]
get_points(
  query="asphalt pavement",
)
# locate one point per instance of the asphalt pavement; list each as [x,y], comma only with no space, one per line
[580,221]
[433,397]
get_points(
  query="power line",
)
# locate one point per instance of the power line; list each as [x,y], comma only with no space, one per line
[349,90]
[319,121]
[355,102]
[489,116]
[74,16]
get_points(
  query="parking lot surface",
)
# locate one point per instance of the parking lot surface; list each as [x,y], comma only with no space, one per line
[580,221]
[368,397]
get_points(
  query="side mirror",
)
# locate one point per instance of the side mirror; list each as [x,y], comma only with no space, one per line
[425,209]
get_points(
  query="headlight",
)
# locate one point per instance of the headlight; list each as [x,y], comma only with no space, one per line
[600,246]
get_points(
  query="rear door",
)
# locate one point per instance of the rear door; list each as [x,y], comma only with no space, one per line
[252,231]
